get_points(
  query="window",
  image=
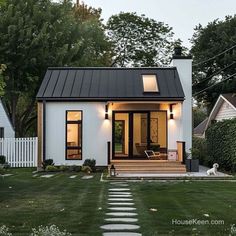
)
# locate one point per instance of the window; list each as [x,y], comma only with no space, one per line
[150,83]
[1,132]
[74,135]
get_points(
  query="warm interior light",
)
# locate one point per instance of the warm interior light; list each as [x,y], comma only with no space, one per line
[150,83]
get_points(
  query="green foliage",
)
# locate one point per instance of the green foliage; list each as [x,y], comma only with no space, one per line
[86,169]
[75,168]
[208,42]
[48,162]
[38,34]
[91,163]
[140,41]
[118,132]
[199,150]
[2,83]
[2,159]
[51,168]
[199,114]
[2,172]
[221,144]
[64,168]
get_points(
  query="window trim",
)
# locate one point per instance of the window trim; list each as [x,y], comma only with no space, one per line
[74,122]
[2,132]
[157,84]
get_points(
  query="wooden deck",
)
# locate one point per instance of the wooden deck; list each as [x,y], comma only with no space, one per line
[148,166]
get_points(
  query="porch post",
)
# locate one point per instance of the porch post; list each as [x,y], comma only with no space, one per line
[181,151]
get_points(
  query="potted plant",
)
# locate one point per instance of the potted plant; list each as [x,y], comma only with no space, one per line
[192,161]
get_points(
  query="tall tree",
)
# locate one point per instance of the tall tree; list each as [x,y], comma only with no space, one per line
[36,34]
[139,41]
[2,84]
[214,54]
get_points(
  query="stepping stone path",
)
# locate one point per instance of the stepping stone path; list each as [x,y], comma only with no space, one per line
[73,176]
[121,217]
[87,177]
[46,176]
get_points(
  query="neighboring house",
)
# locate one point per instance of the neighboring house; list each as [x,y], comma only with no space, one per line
[114,115]
[6,128]
[225,108]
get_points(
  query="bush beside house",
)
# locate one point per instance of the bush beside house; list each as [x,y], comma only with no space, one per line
[199,150]
[221,144]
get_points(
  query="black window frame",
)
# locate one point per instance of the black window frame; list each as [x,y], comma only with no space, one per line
[79,122]
[1,132]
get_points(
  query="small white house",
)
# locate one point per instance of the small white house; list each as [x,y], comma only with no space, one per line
[225,108]
[6,128]
[114,115]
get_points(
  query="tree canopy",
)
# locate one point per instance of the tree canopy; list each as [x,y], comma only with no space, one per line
[139,40]
[214,54]
[2,84]
[36,34]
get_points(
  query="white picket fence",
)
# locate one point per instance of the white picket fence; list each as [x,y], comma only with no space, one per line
[20,152]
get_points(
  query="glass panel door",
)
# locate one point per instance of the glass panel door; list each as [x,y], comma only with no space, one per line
[140,134]
[121,135]
[158,131]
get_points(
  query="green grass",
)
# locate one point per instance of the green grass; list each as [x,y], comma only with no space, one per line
[185,201]
[73,204]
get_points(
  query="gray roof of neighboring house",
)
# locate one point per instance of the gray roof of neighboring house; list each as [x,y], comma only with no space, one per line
[200,129]
[109,84]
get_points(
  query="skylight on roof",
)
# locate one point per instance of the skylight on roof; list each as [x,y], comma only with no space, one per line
[150,83]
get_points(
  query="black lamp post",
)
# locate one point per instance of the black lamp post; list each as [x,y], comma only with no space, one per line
[112,171]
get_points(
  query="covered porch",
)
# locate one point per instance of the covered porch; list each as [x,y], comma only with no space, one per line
[146,137]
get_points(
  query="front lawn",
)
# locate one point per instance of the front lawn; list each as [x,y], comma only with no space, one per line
[79,206]
[71,204]
[184,201]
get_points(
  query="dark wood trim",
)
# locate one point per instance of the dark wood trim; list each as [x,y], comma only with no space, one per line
[78,122]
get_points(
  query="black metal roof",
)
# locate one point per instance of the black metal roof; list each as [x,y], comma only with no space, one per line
[103,84]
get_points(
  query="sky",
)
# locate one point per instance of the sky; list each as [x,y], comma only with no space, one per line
[181,15]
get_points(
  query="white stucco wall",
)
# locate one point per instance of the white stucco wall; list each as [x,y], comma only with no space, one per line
[96,132]
[5,123]
[184,67]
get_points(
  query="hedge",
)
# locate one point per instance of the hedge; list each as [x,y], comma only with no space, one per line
[221,144]
[199,150]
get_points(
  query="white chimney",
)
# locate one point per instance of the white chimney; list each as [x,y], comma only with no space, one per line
[184,68]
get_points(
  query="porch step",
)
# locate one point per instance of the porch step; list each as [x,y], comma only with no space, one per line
[145,166]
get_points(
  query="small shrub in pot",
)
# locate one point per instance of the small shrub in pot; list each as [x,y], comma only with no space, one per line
[91,163]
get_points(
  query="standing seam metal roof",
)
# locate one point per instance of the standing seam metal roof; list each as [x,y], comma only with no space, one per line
[108,84]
